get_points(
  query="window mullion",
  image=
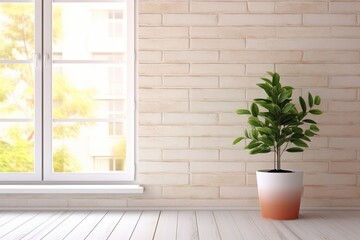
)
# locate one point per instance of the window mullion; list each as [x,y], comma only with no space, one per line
[38,89]
[47,88]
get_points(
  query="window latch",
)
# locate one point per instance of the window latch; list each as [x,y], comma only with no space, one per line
[46,59]
[37,58]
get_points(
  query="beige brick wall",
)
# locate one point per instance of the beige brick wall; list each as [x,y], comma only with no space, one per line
[199,61]
[212,55]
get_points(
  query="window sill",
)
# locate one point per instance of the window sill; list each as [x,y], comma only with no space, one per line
[73,189]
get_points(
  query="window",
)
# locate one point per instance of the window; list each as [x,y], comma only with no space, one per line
[67,90]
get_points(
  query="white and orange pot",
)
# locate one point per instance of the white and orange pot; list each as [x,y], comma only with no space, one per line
[280,194]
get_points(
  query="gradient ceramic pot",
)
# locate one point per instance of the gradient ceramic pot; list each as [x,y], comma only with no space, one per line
[280,194]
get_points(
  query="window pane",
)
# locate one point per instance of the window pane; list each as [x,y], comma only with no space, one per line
[17,87]
[99,28]
[17,31]
[16,147]
[86,147]
[88,91]
[16,91]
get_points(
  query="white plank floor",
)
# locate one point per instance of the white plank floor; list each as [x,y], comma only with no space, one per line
[179,225]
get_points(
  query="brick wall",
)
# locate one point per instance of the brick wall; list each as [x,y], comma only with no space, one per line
[200,60]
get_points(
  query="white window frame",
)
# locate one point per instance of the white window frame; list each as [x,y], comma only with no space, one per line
[43,170]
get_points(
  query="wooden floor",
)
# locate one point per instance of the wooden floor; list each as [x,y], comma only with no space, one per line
[181,225]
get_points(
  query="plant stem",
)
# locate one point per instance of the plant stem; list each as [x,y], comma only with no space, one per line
[274,157]
[278,154]
[284,148]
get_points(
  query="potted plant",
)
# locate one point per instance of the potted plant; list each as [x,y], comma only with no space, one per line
[276,125]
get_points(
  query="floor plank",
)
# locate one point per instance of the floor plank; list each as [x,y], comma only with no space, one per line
[304,227]
[16,222]
[47,226]
[146,226]
[226,225]
[65,227]
[86,226]
[8,216]
[322,220]
[342,222]
[166,228]
[105,226]
[246,225]
[126,226]
[346,221]
[207,225]
[29,226]
[268,228]
[187,226]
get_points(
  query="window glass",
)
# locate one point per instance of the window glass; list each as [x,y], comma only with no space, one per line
[17,87]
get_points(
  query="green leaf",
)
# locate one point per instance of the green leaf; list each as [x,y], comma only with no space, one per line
[268,106]
[287,107]
[246,133]
[288,88]
[260,150]
[287,131]
[288,118]
[250,134]
[253,144]
[299,143]
[277,109]
[266,80]
[297,130]
[242,111]
[255,133]
[276,79]
[270,73]
[285,95]
[301,115]
[295,149]
[267,140]
[315,111]
[297,136]
[302,104]
[310,100]
[306,138]
[309,121]
[294,110]
[254,109]
[278,89]
[270,121]
[253,121]
[317,100]
[265,130]
[266,87]
[237,140]
[309,133]
[314,128]
[286,101]
[295,123]
[257,100]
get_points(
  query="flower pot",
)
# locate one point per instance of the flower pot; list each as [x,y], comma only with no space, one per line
[280,194]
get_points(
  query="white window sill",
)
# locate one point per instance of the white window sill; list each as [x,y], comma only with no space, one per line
[74,189]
